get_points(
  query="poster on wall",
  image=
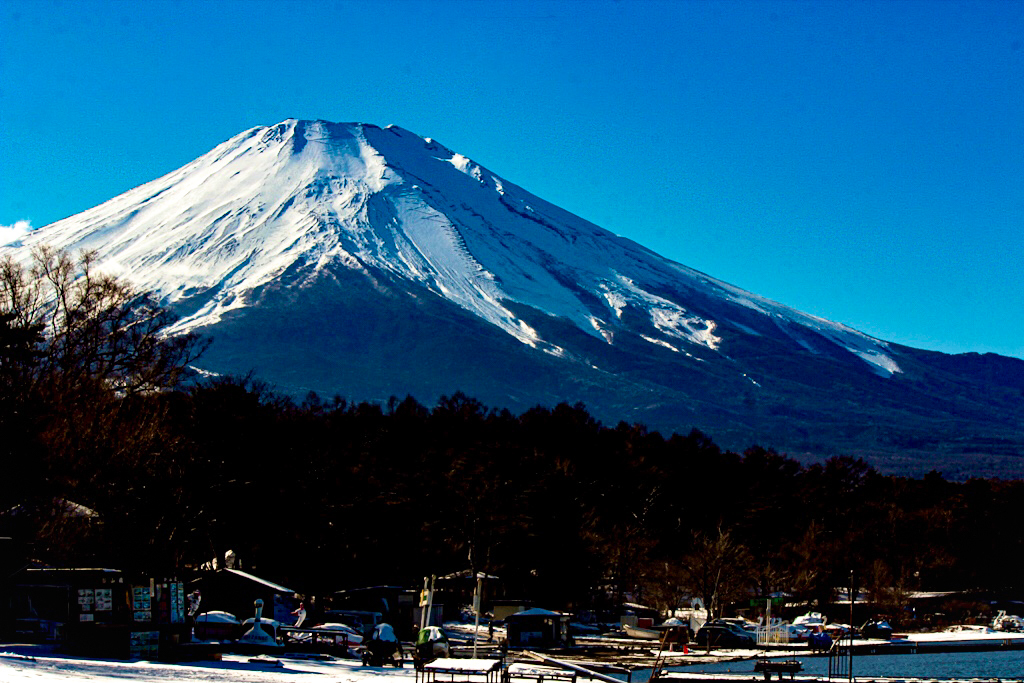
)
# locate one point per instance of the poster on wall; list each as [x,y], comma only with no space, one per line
[176,602]
[104,599]
[86,599]
[142,604]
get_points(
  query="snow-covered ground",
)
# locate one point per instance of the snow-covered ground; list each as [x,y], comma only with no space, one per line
[23,664]
[16,668]
[40,665]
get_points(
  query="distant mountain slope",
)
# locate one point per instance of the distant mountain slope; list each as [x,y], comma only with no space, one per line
[346,258]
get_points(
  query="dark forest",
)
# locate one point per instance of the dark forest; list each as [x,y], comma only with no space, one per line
[115,455]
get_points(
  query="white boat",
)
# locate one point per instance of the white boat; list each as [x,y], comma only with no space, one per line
[1007,622]
[810,620]
[965,636]
[641,633]
[967,628]
[696,616]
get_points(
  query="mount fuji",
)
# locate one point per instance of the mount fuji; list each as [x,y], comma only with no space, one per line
[367,262]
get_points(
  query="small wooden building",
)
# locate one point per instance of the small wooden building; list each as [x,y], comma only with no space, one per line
[538,628]
[99,612]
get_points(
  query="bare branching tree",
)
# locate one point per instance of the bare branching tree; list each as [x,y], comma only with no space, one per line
[717,568]
[84,358]
[97,327]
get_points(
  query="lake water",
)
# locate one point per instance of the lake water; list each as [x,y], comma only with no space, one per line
[1004,664]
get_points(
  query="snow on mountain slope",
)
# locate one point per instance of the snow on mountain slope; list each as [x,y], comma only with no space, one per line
[302,196]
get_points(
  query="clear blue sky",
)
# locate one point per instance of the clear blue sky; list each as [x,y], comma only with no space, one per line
[861,161]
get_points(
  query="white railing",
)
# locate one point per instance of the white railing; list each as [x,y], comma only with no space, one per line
[772,634]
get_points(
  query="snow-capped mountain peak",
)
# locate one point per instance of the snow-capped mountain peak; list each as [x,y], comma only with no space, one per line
[299,198]
[370,262]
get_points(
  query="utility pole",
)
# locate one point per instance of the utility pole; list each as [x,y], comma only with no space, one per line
[476,609]
[424,601]
[851,625]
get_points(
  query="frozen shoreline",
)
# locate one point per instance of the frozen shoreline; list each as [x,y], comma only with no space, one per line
[231,669]
[24,664]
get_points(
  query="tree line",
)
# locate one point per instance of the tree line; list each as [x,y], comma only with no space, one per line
[114,455]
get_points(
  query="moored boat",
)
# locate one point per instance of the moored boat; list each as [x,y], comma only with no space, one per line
[1007,622]
[641,633]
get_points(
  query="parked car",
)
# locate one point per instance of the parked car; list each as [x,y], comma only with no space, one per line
[362,621]
[345,633]
[737,625]
[725,635]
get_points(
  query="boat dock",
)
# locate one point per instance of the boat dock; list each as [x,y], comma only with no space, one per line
[639,653]
[726,678]
[920,643]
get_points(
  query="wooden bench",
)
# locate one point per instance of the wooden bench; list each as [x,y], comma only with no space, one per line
[779,666]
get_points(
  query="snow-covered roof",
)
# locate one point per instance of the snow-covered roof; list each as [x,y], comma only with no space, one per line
[217,617]
[250,577]
[924,595]
[637,605]
[466,574]
[537,612]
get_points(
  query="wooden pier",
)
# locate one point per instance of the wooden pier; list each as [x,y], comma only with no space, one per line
[755,677]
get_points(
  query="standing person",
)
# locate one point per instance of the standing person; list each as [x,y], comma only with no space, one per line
[300,613]
[194,598]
